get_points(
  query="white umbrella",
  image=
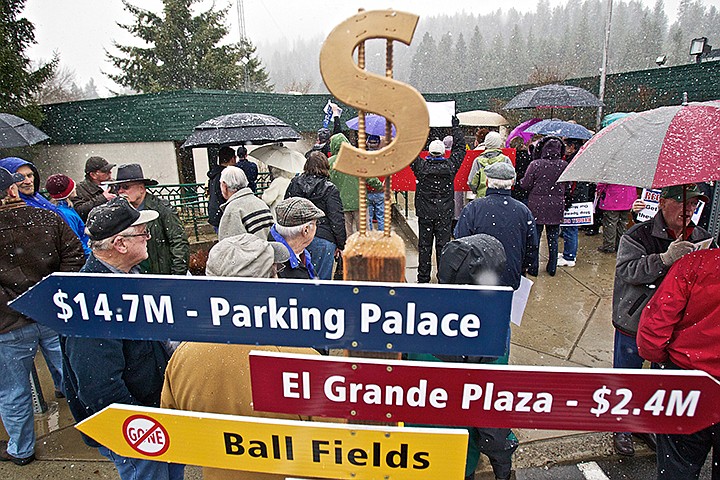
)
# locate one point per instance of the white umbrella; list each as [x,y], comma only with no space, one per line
[481,118]
[281,157]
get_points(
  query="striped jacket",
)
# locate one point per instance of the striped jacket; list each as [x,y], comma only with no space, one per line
[245,213]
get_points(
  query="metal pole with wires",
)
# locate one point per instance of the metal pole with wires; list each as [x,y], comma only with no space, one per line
[603,68]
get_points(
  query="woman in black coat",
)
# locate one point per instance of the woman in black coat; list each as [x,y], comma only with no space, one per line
[314,184]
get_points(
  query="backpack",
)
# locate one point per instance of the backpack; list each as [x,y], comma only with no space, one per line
[478,183]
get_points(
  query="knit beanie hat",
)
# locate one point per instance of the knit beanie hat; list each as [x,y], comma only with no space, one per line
[493,140]
[59,186]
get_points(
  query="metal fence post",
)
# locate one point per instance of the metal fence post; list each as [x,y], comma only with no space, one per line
[38,401]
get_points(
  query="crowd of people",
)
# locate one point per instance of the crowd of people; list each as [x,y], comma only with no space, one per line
[297,228]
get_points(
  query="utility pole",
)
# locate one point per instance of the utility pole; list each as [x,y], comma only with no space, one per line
[243,42]
[603,69]
[241,19]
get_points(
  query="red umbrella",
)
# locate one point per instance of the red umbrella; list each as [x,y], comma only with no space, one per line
[657,148]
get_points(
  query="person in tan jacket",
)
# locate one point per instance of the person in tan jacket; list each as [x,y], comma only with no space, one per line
[214,377]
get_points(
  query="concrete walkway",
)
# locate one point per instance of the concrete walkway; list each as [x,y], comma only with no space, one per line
[567,323]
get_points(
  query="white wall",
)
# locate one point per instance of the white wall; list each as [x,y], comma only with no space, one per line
[157,159]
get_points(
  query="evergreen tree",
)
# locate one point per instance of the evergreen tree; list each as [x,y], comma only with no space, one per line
[476,59]
[441,76]
[19,80]
[422,64]
[460,69]
[183,51]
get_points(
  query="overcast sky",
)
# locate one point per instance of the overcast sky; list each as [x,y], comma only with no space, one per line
[81,30]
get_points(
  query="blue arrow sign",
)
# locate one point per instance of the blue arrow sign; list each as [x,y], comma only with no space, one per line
[442,319]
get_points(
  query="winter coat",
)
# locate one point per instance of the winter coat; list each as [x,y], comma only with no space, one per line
[546,197]
[435,177]
[33,244]
[198,379]
[510,221]
[215,197]
[680,323]
[251,172]
[275,193]
[324,195]
[348,185]
[639,269]
[615,197]
[522,161]
[98,372]
[89,196]
[245,213]
[168,249]
[477,180]
[74,221]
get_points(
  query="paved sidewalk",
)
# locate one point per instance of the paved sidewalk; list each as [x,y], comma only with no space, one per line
[567,323]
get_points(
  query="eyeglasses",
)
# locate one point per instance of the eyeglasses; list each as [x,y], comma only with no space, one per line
[145,234]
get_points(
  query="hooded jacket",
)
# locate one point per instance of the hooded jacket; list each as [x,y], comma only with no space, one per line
[546,197]
[348,185]
[326,196]
[36,200]
[477,178]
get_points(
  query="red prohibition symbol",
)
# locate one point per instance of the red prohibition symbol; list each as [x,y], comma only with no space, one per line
[146,435]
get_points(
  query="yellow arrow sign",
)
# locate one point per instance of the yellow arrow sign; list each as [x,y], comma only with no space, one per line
[285,447]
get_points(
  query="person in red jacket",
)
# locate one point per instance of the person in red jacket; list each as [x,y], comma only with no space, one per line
[679,329]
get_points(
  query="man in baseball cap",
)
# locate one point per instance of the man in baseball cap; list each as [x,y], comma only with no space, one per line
[99,372]
[295,228]
[90,193]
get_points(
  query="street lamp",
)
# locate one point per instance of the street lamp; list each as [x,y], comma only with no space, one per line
[699,47]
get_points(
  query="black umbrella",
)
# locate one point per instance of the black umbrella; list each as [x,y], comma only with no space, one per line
[554,96]
[240,129]
[18,132]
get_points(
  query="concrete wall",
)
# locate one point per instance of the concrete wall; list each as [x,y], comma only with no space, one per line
[157,158]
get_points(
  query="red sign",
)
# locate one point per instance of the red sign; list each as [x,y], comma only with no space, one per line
[430,393]
[404,180]
[145,435]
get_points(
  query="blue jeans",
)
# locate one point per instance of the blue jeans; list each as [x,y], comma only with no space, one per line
[17,353]
[322,255]
[137,469]
[570,242]
[553,233]
[376,209]
[625,352]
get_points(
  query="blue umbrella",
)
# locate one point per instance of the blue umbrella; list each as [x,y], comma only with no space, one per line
[559,128]
[374,125]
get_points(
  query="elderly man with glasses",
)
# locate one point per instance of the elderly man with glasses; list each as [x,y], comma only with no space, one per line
[98,372]
[169,249]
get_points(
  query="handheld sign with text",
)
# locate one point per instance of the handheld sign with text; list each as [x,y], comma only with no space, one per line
[604,400]
[289,447]
[457,319]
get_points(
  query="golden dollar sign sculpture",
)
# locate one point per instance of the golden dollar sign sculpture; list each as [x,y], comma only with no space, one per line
[376,256]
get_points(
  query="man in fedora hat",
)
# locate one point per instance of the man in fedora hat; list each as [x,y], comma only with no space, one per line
[168,249]
[90,192]
[35,242]
[98,371]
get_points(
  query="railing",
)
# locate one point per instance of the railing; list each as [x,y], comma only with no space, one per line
[190,200]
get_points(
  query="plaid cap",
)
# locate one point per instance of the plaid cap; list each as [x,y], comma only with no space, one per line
[295,211]
[675,192]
